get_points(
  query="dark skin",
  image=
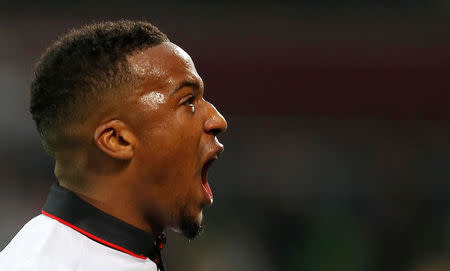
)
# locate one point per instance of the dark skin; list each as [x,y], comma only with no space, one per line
[141,155]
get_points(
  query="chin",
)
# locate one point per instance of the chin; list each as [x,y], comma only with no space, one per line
[191,225]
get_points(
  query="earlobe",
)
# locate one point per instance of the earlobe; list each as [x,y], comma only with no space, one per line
[115,139]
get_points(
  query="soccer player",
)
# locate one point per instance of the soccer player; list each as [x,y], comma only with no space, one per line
[121,110]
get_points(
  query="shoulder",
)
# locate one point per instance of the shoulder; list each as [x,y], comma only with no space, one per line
[40,245]
[46,244]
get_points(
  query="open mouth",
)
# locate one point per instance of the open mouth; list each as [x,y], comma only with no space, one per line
[205,185]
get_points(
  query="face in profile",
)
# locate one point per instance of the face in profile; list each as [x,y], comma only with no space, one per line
[176,131]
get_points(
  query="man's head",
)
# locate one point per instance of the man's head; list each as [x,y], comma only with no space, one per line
[121,110]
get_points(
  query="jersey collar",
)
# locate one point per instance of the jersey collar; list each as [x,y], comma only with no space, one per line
[66,207]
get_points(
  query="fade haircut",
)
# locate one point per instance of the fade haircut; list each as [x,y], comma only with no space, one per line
[83,67]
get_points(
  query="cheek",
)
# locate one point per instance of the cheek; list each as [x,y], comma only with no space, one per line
[174,134]
[173,149]
[170,162]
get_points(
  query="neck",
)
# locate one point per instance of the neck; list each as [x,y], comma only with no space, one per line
[115,200]
[106,184]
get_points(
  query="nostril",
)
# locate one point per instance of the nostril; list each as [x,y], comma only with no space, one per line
[216,131]
[213,125]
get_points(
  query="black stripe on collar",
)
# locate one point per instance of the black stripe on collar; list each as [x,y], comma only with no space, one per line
[66,207]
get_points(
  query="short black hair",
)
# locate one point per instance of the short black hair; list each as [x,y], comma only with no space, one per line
[81,67]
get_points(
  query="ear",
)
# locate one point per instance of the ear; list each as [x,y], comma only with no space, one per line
[115,139]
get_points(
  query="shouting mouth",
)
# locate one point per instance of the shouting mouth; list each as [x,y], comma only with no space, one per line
[205,185]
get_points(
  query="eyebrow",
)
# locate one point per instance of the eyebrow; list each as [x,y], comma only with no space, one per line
[192,84]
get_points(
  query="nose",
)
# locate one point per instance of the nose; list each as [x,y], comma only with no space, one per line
[215,123]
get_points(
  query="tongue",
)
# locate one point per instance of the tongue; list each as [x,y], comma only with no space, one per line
[208,191]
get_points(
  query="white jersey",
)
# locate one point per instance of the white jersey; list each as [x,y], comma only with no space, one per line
[84,240]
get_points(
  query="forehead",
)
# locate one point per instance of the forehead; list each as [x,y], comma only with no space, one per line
[162,66]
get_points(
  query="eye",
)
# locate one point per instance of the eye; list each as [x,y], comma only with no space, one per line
[188,101]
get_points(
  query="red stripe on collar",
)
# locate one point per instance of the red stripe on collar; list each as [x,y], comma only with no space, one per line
[93,237]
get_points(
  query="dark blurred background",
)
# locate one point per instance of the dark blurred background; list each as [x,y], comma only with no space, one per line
[337,154]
